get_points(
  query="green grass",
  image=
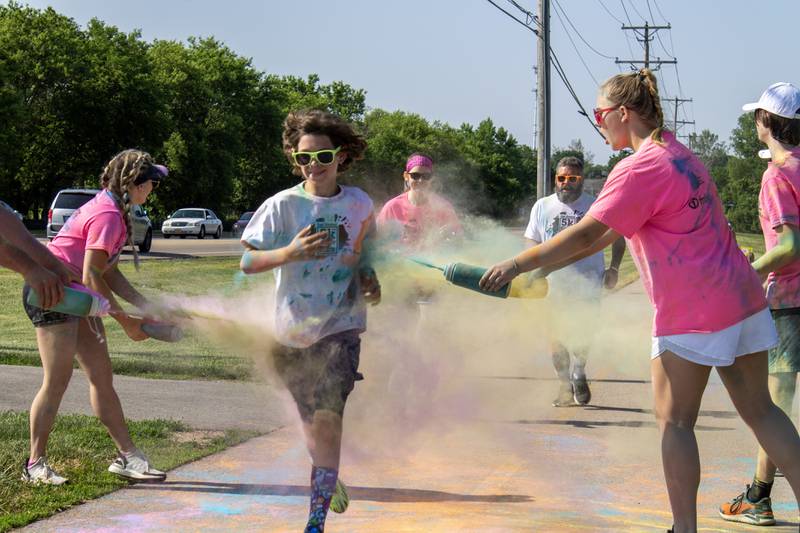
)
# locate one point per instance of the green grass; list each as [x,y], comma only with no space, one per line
[81,450]
[627,269]
[752,240]
[192,358]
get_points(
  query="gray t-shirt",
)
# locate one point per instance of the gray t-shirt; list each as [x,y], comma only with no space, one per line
[582,279]
[318,297]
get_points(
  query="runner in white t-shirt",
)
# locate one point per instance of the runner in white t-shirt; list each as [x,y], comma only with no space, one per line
[574,290]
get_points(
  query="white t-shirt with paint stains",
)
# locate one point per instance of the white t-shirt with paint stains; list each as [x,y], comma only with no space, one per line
[582,279]
[319,297]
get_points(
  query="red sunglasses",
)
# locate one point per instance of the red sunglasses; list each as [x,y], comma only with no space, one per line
[600,112]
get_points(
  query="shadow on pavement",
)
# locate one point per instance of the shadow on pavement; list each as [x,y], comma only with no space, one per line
[712,414]
[591,424]
[534,378]
[375,494]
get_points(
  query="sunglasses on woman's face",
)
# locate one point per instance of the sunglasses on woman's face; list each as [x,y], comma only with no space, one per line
[600,113]
[424,176]
[323,157]
[563,178]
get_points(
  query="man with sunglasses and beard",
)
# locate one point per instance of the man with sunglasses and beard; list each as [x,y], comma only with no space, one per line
[574,294]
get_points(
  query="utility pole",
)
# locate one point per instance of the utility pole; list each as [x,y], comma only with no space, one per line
[543,187]
[675,122]
[647,37]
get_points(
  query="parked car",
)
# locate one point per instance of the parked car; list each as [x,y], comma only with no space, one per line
[239,225]
[67,201]
[195,221]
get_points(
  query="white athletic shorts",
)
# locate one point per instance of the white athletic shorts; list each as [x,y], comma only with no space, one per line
[755,333]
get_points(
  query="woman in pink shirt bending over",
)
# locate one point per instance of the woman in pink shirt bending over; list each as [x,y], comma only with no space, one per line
[89,245]
[710,309]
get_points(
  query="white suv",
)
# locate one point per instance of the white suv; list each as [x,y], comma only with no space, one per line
[68,201]
[195,221]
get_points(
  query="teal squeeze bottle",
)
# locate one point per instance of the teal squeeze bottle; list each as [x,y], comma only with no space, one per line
[75,302]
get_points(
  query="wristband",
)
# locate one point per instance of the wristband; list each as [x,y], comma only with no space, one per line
[516,266]
[615,269]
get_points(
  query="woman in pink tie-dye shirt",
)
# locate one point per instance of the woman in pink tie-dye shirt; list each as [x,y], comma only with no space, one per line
[710,310]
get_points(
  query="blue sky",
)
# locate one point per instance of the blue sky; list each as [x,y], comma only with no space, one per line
[463,60]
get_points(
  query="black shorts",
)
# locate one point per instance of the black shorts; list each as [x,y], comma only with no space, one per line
[42,317]
[321,376]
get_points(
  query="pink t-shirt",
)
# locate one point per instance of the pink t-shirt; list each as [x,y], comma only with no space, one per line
[664,202]
[96,225]
[779,203]
[419,223]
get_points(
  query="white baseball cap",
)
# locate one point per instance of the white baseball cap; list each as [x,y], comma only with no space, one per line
[782,99]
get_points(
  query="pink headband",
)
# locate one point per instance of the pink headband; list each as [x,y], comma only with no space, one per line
[418,161]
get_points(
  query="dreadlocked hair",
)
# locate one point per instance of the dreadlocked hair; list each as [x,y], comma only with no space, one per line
[120,173]
[638,91]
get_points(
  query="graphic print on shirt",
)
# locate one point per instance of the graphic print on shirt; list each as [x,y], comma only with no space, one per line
[563,220]
[337,233]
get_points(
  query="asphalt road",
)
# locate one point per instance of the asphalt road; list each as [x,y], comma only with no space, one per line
[437,440]
[176,248]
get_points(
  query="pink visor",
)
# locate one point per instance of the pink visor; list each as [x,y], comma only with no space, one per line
[418,161]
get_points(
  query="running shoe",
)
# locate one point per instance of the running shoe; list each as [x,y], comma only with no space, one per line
[582,393]
[136,467]
[340,500]
[566,394]
[41,473]
[740,509]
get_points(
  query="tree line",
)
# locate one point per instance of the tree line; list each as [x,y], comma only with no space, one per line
[71,97]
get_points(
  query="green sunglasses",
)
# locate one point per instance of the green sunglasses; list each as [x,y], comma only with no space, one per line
[323,157]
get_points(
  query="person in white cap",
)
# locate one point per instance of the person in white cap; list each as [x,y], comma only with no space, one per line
[777,117]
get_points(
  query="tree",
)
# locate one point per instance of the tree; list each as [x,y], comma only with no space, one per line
[744,169]
[41,57]
[713,154]
[210,93]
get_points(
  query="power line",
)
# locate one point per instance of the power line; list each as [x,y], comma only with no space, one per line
[613,16]
[625,10]
[512,17]
[671,50]
[560,7]
[658,36]
[633,5]
[561,74]
[609,12]
[529,17]
[561,20]
[558,68]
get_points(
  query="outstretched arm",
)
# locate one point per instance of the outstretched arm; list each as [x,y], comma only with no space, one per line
[584,238]
[786,251]
[17,235]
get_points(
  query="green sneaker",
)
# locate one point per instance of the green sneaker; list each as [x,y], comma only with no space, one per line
[740,509]
[340,500]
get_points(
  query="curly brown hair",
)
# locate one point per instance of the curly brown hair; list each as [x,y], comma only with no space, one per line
[319,122]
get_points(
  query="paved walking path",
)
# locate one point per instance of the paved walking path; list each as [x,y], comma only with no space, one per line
[499,459]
